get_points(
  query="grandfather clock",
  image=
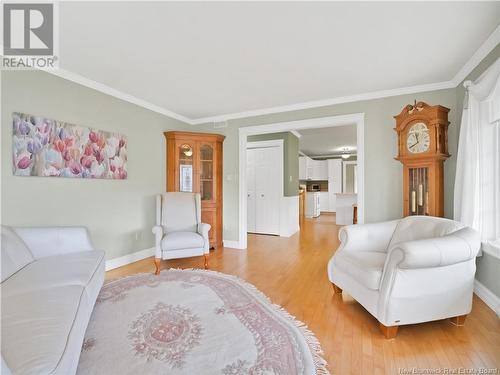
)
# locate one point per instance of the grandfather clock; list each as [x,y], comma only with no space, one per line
[422,149]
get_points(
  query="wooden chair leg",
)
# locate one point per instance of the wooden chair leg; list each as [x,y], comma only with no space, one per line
[458,320]
[157,264]
[388,332]
[205,256]
[336,289]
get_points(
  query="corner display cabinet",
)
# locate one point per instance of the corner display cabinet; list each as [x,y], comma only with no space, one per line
[194,164]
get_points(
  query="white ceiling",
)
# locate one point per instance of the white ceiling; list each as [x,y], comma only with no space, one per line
[203,59]
[327,141]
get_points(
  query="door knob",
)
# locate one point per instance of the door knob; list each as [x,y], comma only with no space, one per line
[262,195]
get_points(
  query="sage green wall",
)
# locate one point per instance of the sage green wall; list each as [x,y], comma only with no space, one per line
[383,174]
[114,211]
[488,266]
[290,159]
[488,272]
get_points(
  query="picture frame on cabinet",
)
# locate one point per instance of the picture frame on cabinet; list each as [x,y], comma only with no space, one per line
[186,182]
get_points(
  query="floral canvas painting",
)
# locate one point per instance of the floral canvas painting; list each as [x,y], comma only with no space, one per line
[46,147]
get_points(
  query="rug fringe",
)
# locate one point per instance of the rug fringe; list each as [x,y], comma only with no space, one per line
[312,341]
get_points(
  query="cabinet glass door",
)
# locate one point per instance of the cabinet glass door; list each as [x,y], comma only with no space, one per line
[186,168]
[207,172]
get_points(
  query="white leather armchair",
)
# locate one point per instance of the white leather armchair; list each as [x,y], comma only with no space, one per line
[179,232]
[407,271]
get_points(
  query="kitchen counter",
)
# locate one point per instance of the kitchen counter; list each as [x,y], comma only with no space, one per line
[345,202]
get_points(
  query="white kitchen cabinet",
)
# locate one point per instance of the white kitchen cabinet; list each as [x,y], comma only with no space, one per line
[323,170]
[309,168]
[302,167]
[334,182]
[320,170]
[324,201]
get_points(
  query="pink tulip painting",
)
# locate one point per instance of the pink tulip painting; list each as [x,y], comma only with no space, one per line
[46,147]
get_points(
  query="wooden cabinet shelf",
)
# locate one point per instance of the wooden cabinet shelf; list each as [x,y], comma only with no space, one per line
[191,158]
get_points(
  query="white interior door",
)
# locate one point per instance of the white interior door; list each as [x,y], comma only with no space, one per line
[264,181]
[251,190]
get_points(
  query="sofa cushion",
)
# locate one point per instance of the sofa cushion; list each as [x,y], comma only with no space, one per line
[15,253]
[413,228]
[182,240]
[45,311]
[48,241]
[54,271]
[364,266]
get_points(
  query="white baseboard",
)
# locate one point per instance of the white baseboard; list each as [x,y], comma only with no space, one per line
[129,258]
[233,244]
[487,296]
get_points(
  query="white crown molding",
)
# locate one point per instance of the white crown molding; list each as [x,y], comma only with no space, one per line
[327,102]
[485,48]
[489,44]
[73,77]
[296,133]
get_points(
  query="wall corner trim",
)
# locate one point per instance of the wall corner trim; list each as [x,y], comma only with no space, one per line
[129,258]
[488,45]
[233,245]
[100,87]
[488,297]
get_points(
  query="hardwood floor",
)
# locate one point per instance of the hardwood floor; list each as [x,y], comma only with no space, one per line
[292,272]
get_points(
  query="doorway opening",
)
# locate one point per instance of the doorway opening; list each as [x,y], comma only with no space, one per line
[356,120]
[327,172]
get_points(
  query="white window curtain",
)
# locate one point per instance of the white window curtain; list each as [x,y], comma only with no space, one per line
[477,181]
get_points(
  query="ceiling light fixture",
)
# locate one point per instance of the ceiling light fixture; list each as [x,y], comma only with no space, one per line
[345,153]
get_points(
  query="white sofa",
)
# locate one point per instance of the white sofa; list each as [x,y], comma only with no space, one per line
[179,232]
[50,281]
[407,271]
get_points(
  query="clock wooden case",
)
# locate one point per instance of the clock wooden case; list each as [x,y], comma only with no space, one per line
[194,164]
[422,149]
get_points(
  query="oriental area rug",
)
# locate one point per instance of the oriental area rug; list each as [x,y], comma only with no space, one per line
[194,322]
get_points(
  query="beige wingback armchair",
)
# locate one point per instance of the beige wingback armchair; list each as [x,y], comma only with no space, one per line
[179,232]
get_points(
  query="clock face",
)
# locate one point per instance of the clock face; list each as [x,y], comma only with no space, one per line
[418,139]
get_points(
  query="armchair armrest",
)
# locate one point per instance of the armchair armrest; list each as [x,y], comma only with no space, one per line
[47,241]
[158,232]
[459,246]
[367,237]
[203,229]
